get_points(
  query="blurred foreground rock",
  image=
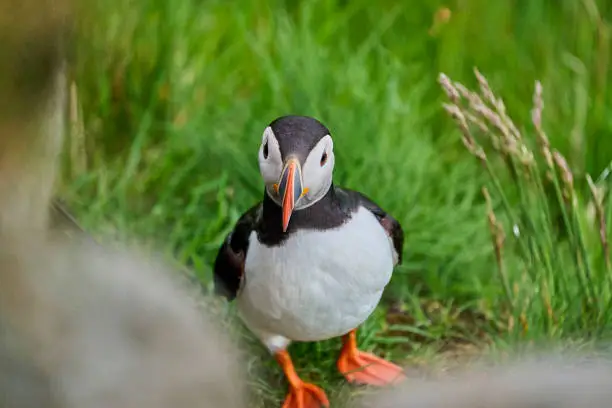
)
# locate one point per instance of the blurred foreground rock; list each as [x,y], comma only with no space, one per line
[546,382]
[81,325]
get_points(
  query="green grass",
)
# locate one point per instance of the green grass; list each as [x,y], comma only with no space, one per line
[173,99]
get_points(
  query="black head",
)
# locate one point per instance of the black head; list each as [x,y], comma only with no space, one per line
[296,161]
[297,135]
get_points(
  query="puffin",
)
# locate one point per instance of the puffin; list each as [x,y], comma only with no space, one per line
[310,261]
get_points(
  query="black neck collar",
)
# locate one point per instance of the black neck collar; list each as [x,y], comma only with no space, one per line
[329,212]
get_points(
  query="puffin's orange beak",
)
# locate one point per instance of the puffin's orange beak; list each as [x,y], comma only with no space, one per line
[290,189]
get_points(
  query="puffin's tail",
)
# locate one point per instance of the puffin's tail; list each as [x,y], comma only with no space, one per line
[82,325]
[546,382]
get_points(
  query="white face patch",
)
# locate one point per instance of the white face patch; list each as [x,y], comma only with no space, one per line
[318,168]
[316,171]
[270,160]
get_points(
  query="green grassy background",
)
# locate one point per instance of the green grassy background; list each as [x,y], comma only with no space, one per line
[172,99]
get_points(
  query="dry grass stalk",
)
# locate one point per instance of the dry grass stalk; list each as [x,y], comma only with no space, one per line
[483,120]
[597,194]
[566,176]
[536,118]
[506,139]
[76,140]
[457,114]
[498,237]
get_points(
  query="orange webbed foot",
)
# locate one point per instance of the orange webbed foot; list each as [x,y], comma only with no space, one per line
[365,368]
[301,394]
[306,395]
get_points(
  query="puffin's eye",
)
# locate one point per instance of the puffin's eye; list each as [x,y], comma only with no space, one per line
[323,159]
[265,150]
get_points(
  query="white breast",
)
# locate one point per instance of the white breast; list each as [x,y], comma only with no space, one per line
[317,284]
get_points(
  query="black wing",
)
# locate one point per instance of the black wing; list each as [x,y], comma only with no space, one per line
[229,265]
[390,224]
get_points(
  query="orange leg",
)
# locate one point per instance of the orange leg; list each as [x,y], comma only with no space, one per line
[365,368]
[301,394]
